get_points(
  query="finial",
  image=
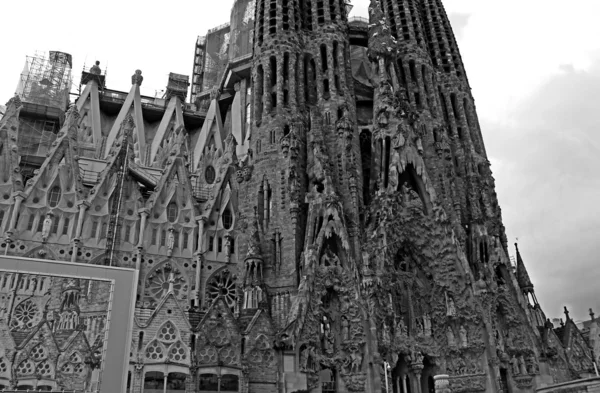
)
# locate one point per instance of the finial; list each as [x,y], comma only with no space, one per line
[567,313]
[137,78]
[592,315]
[562,323]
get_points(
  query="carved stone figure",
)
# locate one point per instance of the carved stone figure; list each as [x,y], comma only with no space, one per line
[450,337]
[345,328]
[46,226]
[514,363]
[450,307]
[170,241]
[522,367]
[385,333]
[463,337]
[427,325]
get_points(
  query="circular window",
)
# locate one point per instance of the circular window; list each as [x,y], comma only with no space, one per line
[172,212]
[227,219]
[210,174]
[54,196]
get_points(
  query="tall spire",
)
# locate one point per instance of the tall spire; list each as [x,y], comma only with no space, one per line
[522,275]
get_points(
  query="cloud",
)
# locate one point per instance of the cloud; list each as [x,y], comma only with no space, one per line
[549,187]
[459,21]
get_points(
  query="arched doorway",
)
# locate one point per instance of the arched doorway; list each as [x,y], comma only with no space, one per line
[429,371]
[401,376]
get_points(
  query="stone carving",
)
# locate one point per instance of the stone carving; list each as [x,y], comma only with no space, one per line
[450,307]
[450,337]
[170,241]
[463,337]
[47,226]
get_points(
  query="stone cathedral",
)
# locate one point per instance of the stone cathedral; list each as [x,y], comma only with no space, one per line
[318,216]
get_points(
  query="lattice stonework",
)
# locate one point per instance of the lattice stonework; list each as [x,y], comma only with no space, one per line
[177,352]
[155,351]
[27,367]
[44,369]
[207,355]
[39,353]
[168,332]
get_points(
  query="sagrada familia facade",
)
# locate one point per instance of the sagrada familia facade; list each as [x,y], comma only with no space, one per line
[319,217]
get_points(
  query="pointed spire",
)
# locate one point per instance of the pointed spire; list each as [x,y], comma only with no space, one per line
[567,313]
[522,275]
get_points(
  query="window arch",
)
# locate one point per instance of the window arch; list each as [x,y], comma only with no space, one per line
[54,196]
[210,174]
[172,212]
[227,218]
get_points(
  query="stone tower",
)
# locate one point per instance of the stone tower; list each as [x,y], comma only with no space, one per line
[321,218]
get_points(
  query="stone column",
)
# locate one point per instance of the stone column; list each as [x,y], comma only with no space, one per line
[442,383]
[18,197]
[201,223]
[166,375]
[83,206]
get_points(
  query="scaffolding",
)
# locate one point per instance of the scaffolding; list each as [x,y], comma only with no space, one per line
[46,80]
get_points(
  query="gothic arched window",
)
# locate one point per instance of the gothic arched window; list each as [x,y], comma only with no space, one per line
[172,212]
[210,174]
[227,218]
[54,196]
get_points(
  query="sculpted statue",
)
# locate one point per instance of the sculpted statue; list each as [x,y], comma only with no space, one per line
[47,226]
[463,337]
[385,333]
[357,358]
[427,325]
[450,307]
[345,328]
[450,337]
[171,241]
[514,363]
[522,367]
[329,258]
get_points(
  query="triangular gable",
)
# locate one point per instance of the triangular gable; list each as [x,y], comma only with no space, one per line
[133,98]
[260,323]
[172,120]
[224,168]
[9,130]
[176,169]
[220,306]
[77,340]
[114,160]
[213,126]
[169,301]
[64,150]
[89,104]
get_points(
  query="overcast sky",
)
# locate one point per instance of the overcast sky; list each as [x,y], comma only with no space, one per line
[533,65]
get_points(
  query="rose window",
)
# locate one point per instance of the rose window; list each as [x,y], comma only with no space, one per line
[208,355]
[167,332]
[159,282]
[177,352]
[39,353]
[155,351]
[75,358]
[79,369]
[3,366]
[26,368]
[223,284]
[44,369]
[66,368]
[26,315]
